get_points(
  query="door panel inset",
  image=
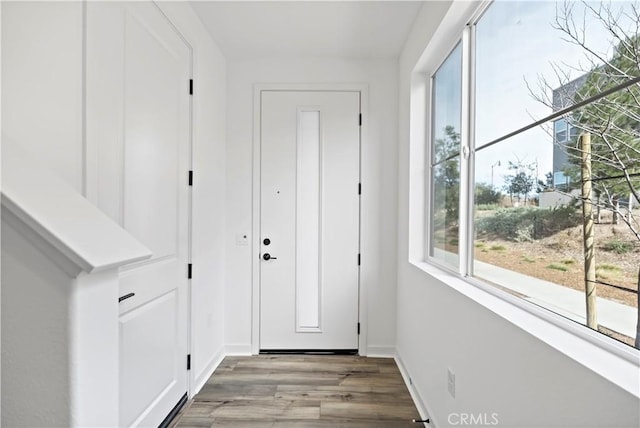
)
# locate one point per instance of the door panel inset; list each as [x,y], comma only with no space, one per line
[308,208]
[152,137]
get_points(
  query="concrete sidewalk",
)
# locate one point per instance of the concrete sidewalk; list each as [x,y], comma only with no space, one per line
[562,300]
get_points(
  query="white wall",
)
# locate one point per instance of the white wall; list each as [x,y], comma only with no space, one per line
[42,84]
[0,187]
[48,307]
[209,191]
[500,367]
[378,181]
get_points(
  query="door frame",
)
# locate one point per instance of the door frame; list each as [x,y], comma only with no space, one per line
[363,89]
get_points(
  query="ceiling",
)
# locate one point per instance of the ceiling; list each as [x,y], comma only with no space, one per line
[294,29]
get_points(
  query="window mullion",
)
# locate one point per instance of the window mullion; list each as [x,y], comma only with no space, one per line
[465,237]
[428,236]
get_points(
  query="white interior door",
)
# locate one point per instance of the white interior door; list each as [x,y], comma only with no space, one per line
[310,157]
[138,114]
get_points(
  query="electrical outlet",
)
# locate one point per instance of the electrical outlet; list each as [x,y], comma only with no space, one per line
[451,383]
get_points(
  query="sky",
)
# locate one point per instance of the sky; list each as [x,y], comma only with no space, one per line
[516,44]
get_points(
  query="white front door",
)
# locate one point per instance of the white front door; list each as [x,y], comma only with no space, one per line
[138,134]
[309,220]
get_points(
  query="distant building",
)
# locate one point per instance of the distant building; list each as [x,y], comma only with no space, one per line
[564,134]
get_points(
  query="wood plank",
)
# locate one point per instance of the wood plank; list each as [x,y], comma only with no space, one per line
[296,392]
[305,366]
[231,392]
[195,421]
[260,378]
[200,409]
[334,410]
[268,410]
[240,424]
[381,379]
[345,423]
[396,390]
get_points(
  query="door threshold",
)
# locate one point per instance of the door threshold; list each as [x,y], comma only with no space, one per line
[309,351]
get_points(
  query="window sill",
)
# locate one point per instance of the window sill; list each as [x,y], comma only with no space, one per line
[616,362]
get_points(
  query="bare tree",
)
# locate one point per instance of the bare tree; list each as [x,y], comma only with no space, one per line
[613,120]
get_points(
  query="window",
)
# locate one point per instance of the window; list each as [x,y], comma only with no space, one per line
[536,103]
[445,158]
[560,130]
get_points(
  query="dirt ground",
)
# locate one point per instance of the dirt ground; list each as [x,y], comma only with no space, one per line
[560,259]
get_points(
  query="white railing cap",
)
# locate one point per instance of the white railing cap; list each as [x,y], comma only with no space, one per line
[42,206]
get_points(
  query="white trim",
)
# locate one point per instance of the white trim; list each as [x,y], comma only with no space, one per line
[363,89]
[469,183]
[420,404]
[255,223]
[239,350]
[465,217]
[200,380]
[381,351]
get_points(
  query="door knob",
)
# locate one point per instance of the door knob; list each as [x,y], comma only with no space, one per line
[266,241]
[267,256]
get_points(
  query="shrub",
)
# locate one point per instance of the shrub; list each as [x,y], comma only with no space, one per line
[618,247]
[527,223]
[607,271]
[487,207]
[555,266]
[608,267]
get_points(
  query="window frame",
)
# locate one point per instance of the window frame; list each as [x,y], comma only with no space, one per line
[462,277]
[429,152]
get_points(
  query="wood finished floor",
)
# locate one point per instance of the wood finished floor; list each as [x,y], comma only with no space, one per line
[302,391]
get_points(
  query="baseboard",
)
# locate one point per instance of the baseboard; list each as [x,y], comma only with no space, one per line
[381,351]
[206,373]
[238,350]
[415,395]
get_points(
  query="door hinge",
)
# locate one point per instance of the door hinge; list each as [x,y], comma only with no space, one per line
[190,86]
[358,259]
[358,328]
[188,361]
[190,178]
[359,188]
[189,270]
[360,119]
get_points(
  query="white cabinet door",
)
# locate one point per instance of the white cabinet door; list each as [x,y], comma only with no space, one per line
[309,224]
[138,157]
